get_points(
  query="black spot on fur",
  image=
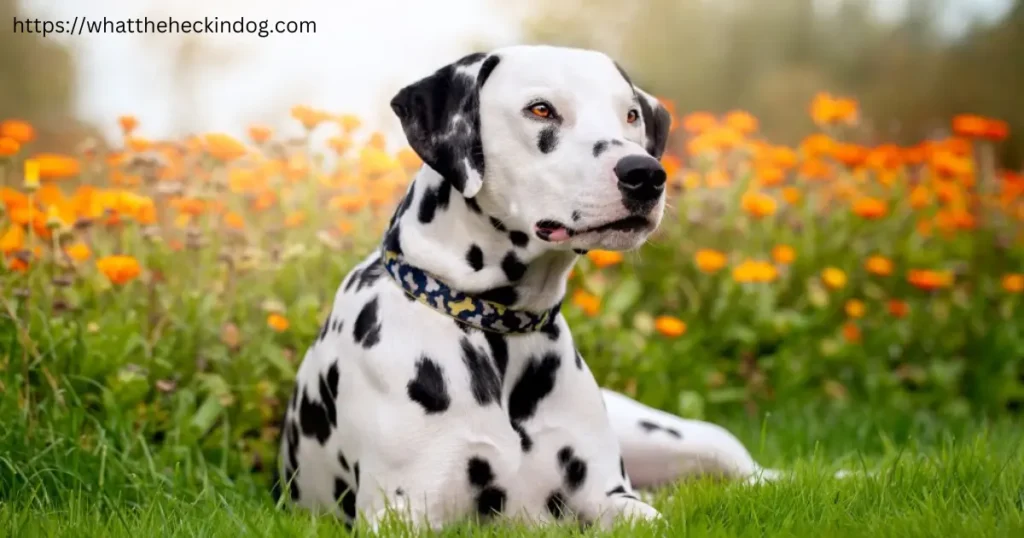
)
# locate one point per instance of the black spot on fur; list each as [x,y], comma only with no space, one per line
[504,295]
[292,437]
[556,505]
[344,462]
[464,327]
[292,477]
[513,268]
[428,388]
[524,439]
[351,279]
[616,142]
[535,383]
[498,225]
[294,397]
[355,473]
[574,469]
[552,331]
[499,351]
[486,69]
[402,208]
[518,238]
[428,205]
[479,472]
[622,468]
[649,426]
[580,251]
[599,147]
[473,206]
[490,501]
[366,331]
[392,240]
[313,419]
[328,393]
[344,495]
[674,433]
[369,274]
[323,330]
[576,215]
[470,59]
[475,258]
[579,360]
[624,75]
[547,140]
[618,490]
[656,124]
[444,194]
[484,380]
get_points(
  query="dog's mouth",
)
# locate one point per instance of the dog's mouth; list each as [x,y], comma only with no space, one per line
[554,231]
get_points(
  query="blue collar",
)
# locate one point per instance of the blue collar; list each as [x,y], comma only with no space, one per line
[466,309]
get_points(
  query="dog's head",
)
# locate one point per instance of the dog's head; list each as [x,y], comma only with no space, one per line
[554,140]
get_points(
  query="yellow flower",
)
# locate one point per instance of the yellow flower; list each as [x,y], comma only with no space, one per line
[783,254]
[755,271]
[605,258]
[855,308]
[710,261]
[589,303]
[78,252]
[670,326]
[834,278]
[277,322]
[1013,283]
[878,265]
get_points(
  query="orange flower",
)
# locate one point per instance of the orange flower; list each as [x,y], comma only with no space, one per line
[754,271]
[12,240]
[920,197]
[1013,283]
[54,166]
[855,308]
[741,121]
[791,195]
[137,144]
[827,110]
[128,124]
[783,254]
[17,130]
[234,221]
[758,204]
[604,258]
[834,278]
[348,202]
[699,122]
[851,155]
[590,304]
[870,208]
[851,332]
[898,308]
[260,133]
[119,269]
[929,280]
[295,219]
[349,122]
[672,165]
[277,322]
[670,326]
[8,146]
[409,159]
[879,265]
[770,176]
[340,144]
[710,261]
[78,252]
[308,117]
[973,126]
[223,147]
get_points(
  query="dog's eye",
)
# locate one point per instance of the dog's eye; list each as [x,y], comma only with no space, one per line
[541,110]
[632,116]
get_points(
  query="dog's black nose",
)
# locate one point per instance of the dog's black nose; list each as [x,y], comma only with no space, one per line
[641,177]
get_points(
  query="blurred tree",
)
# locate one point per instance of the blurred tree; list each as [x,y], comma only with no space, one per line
[770,58]
[38,77]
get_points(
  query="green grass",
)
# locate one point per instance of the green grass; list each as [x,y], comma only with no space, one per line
[931,478]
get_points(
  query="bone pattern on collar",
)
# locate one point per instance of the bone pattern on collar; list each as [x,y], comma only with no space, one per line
[465,308]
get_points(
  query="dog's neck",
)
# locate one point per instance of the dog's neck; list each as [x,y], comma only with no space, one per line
[471,249]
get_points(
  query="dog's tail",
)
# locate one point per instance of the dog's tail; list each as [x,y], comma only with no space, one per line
[659,448]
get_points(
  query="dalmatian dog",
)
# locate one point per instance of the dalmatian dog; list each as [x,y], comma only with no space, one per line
[445,383]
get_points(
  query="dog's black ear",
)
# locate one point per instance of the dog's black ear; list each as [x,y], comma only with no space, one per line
[657,121]
[440,115]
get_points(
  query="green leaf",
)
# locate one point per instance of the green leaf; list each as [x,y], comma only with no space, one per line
[623,296]
[207,414]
